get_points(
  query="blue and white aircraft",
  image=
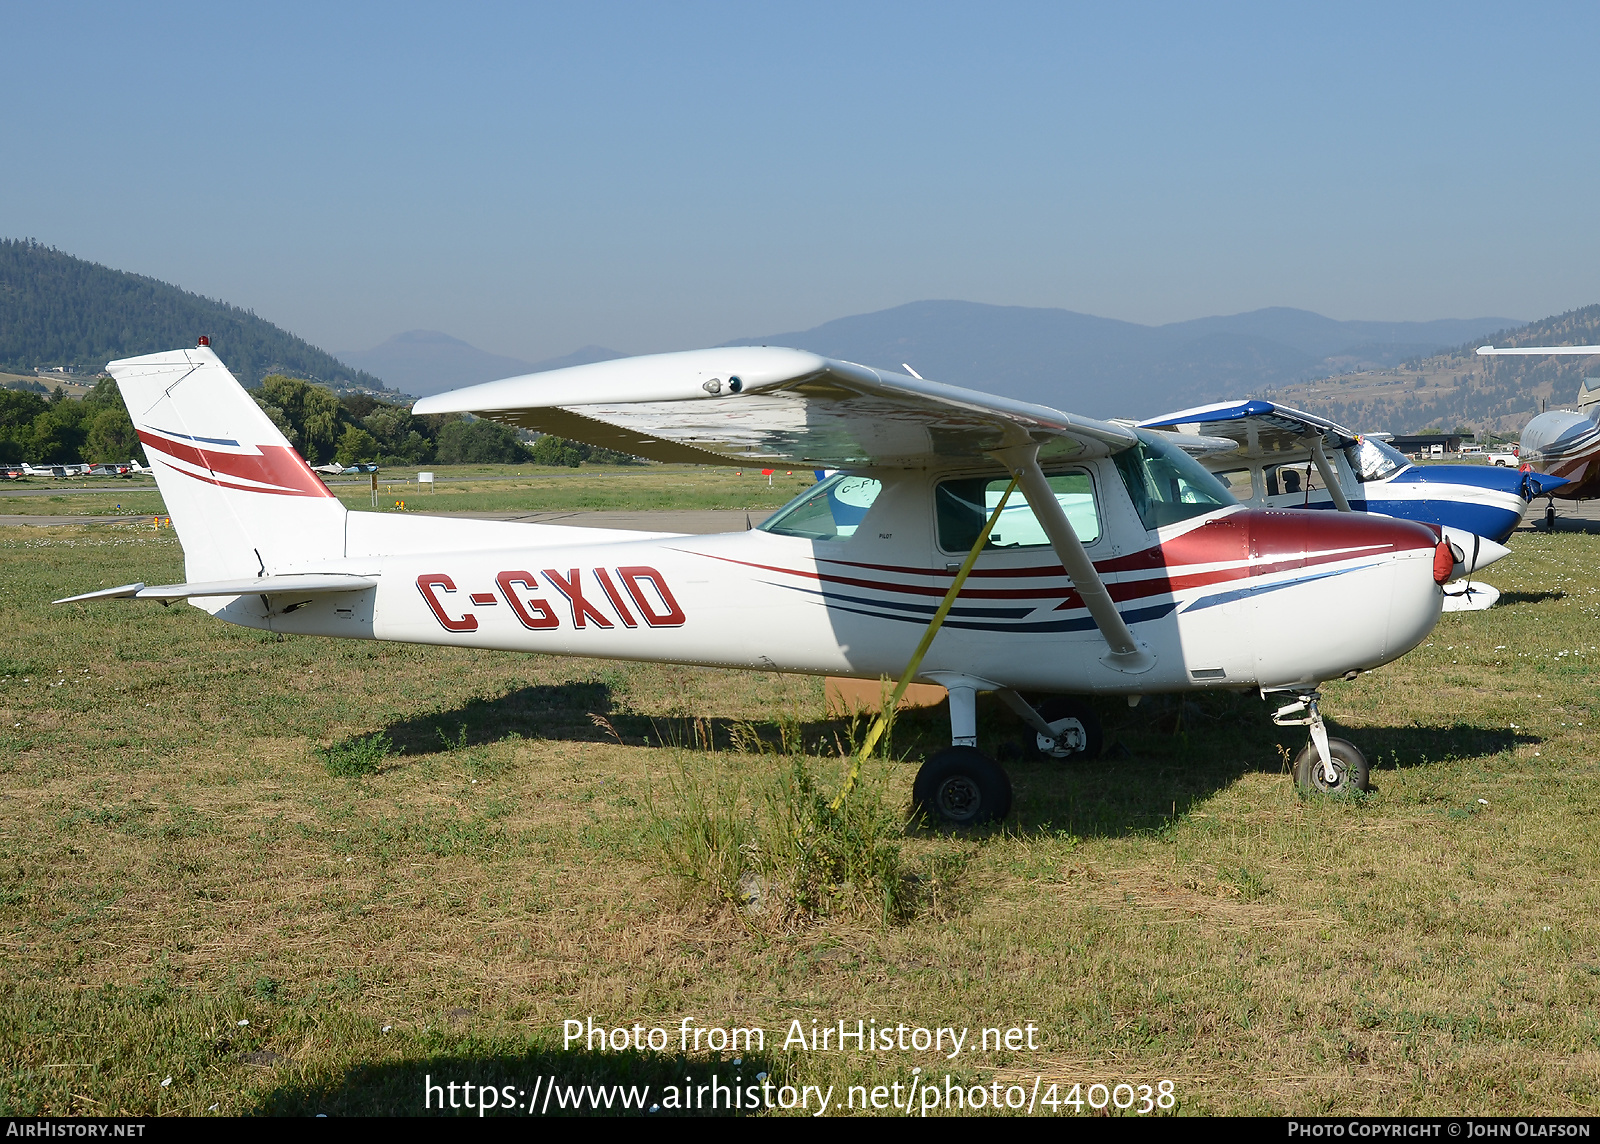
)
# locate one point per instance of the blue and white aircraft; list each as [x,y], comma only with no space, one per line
[1274,456]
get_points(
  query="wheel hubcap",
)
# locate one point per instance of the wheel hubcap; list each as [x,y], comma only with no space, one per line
[959,798]
[1340,776]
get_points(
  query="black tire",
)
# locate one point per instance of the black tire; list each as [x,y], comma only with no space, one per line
[962,786]
[1064,712]
[1550,518]
[1348,763]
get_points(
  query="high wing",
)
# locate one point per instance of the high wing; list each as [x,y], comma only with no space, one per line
[746,405]
[1257,428]
[765,405]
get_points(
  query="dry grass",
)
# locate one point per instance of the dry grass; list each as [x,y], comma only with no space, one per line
[176,858]
[465,488]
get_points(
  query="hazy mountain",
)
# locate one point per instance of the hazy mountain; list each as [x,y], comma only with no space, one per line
[425,362]
[57,310]
[1104,367]
[1457,387]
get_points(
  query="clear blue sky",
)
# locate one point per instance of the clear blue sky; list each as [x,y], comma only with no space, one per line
[657,176]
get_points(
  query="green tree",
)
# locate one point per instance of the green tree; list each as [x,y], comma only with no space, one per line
[110,437]
[552,450]
[314,413]
[356,445]
[279,419]
[59,431]
[478,443]
[109,434]
[399,435]
[18,409]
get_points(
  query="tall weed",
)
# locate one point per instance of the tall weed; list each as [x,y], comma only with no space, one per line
[775,847]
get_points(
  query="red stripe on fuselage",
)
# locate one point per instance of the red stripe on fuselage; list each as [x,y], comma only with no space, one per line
[277,465]
[1250,543]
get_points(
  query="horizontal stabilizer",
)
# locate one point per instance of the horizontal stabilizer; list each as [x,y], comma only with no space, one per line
[257,585]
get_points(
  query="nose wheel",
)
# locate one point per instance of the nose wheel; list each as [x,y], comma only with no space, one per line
[1325,765]
[1348,763]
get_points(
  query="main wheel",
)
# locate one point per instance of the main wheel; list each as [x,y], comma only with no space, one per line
[1349,767]
[962,786]
[1078,734]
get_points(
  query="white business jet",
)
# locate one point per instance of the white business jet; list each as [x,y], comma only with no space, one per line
[1122,568]
[1559,442]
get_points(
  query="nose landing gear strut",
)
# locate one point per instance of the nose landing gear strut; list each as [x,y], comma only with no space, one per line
[1325,765]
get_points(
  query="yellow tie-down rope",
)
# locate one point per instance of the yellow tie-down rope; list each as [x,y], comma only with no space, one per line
[882,721]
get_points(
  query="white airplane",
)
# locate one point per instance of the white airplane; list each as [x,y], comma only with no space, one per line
[1123,569]
[1562,443]
[1277,457]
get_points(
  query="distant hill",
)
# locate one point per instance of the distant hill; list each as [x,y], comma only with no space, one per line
[57,310]
[1457,387]
[425,362]
[1109,368]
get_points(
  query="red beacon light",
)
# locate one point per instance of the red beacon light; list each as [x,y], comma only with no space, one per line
[202,340]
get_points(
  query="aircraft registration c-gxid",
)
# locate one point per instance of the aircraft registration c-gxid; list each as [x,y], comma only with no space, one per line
[1122,568]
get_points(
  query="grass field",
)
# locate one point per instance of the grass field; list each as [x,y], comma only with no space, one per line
[468,488]
[176,860]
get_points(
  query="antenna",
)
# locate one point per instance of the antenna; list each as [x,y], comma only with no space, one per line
[912,372]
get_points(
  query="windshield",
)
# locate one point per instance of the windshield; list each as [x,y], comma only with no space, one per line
[831,510]
[1166,484]
[1373,460]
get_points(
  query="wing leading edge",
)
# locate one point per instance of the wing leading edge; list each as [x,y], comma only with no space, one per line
[1258,427]
[751,404]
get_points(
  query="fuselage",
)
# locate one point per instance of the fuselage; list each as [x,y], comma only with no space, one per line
[1484,500]
[1231,598]
[1565,444]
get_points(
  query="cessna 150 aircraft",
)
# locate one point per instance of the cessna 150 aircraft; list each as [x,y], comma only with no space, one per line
[1271,455]
[1124,569]
[1560,442]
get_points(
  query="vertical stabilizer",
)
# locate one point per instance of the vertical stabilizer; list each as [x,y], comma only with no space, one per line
[243,501]
[1589,396]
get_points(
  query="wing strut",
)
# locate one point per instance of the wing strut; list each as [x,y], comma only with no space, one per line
[1127,654]
[1330,479]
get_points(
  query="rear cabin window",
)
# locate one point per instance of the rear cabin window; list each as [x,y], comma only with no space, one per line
[1301,479]
[831,510]
[964,505]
